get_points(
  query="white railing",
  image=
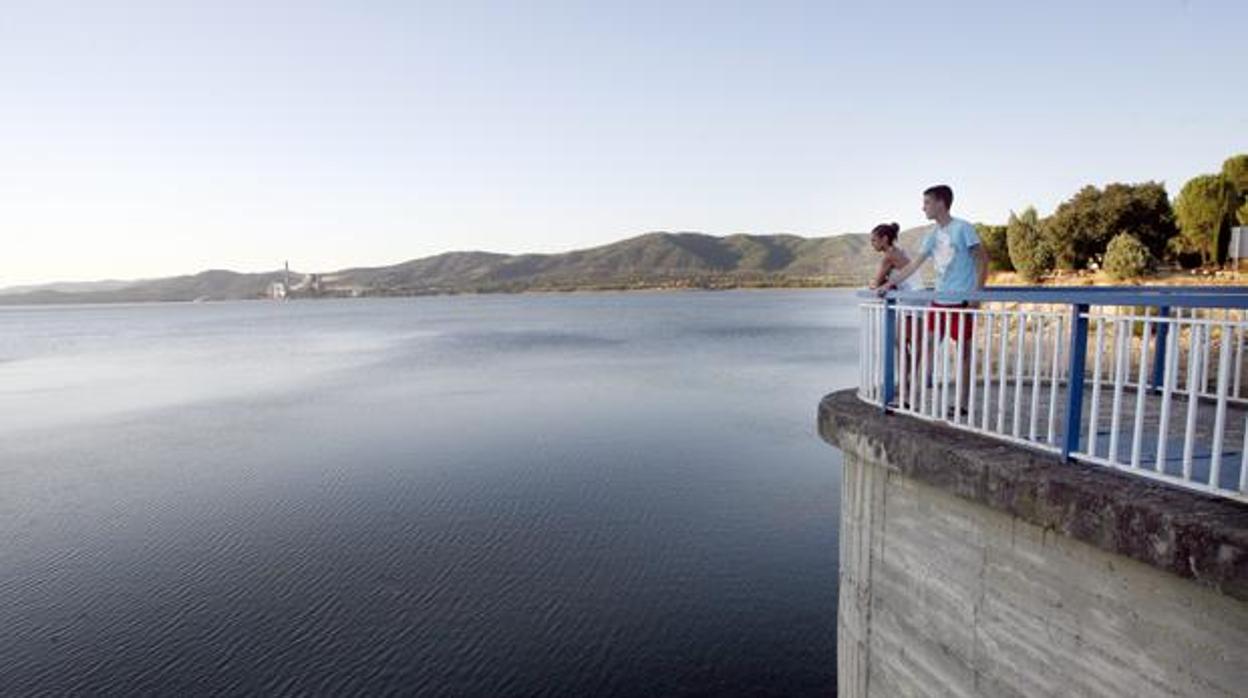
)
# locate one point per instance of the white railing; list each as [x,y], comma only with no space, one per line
[1160,389]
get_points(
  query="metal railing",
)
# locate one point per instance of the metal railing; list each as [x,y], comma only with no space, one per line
[1148,380]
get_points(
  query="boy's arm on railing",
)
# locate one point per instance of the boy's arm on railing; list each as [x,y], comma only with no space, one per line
[906,272]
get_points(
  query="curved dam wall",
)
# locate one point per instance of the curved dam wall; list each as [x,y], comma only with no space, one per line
[970,567]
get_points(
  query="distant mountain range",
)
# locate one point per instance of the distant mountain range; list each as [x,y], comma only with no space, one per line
[650,261]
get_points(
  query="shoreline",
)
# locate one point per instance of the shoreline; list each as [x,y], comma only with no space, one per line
[446,295]
[1175,278]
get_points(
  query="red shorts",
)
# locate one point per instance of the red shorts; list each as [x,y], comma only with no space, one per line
[958,326]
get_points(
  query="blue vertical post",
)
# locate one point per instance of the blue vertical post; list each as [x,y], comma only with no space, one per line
[890,343]
[1159,348]
[1074,394]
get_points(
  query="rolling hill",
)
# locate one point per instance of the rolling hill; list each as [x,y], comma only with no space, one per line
[653,260]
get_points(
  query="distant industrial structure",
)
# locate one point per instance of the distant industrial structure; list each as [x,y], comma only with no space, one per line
[280,290]
[307,285]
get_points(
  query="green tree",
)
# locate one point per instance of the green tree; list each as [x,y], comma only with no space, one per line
[993,239]
[1235,170]
[1073,228]
[1143,210]
[1203,210]
[1127,258]
[1029,247]
[1080,229]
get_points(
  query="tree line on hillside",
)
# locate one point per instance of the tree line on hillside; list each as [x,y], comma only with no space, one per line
[1128,230]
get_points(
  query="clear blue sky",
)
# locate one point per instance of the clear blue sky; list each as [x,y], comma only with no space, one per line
[152,138]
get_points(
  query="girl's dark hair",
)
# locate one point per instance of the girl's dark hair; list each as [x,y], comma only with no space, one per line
[888,231]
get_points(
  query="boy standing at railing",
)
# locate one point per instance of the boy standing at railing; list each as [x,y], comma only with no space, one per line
[961,267]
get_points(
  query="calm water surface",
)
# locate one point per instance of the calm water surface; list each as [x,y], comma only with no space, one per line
[547,495]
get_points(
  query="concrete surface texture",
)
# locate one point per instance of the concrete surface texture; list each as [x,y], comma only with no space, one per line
[946,591]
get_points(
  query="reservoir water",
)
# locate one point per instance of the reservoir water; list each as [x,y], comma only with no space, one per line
[537,495]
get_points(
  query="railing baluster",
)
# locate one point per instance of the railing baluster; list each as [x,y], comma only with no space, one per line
[1141,390]
[881,334]
[1239,353]
[986,408]
[903,358]
[960,325]
[1204,357]
[1061,348]
[1037,338]
[915,349]
[871,353]
[938,367]
[933,336]
[1219,418]
[976,330]
[924,360]
[889,354]
[876,353]
[1094,418]
[862,349]
[1194,363]
[1120,377]
[943,335]
[1171,370]
[1019,370]
[1182,356]
[1051,437]
[1003,371]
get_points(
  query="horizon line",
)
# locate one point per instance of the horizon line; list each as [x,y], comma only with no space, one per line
[36,285]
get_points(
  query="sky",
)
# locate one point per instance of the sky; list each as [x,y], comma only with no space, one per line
[143,139]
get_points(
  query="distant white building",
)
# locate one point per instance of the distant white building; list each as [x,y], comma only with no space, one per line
[1238,251]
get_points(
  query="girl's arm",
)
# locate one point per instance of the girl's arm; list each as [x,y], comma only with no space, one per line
[881,275]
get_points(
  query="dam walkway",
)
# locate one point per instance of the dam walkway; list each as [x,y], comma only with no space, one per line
[1149,381]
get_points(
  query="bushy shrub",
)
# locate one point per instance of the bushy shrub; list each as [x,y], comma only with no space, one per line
[1029,248]
[1127,258]
[992,237]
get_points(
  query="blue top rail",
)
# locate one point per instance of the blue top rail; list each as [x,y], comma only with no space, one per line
[1151,296]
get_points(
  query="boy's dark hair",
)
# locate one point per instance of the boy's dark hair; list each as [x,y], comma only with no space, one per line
[940,192]
[888,231]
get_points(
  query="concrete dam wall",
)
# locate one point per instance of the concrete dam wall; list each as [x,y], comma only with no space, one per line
[971,567]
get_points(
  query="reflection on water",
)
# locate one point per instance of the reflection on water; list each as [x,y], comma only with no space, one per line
[606,494]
